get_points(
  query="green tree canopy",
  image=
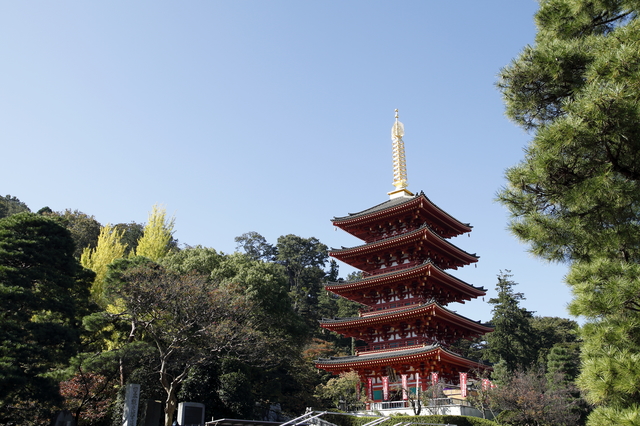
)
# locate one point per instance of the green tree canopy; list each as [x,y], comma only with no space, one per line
[512,339]
[187,319]
[202,260]
[132,232]
[11,205]
[256,246]
[343,392]
[43,296]
[563,362]
[550,331]
[606,292]
[284,333]
[266,285]
[303,259]
[576,195]
[84,229]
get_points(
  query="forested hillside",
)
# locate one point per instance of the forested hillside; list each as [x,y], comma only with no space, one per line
[88,308]
[236,331]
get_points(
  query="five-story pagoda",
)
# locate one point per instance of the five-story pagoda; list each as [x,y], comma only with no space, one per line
[405,326]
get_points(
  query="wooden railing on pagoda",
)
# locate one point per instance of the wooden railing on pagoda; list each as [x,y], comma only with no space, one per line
[392,268]
[397,344]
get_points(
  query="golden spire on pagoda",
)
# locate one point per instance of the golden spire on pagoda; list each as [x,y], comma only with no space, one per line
[399,161]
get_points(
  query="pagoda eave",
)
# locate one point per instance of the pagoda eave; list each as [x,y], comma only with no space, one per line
[433,311]
[423,275]
[423,359]
[400,206]
[421,240]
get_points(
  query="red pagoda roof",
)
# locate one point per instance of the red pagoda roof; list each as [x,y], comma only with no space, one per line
[419,204]
[341,325]
[353,290]
[356,256]
[400,359]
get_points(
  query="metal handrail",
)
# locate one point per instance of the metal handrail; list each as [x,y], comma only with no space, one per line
[305,417]
[376,421]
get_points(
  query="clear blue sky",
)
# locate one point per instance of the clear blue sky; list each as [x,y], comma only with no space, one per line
[268,116]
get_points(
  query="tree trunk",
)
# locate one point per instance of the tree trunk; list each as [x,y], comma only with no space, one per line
[171,388]
[170,408]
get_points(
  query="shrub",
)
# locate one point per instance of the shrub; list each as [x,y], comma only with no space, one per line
[342,420]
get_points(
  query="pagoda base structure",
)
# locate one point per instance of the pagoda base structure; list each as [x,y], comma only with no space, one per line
[413,368]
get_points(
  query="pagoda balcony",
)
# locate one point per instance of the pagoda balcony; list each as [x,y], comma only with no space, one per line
[389,307]
[393,345]
[387,346]
[393,233]
[408,249]
[424,281]
[394,268]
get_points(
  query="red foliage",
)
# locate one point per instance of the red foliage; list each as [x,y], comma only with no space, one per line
[88,396]
[319,349]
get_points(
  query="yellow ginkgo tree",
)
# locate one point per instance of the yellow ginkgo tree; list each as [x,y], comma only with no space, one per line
[108,249]
[155,243]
